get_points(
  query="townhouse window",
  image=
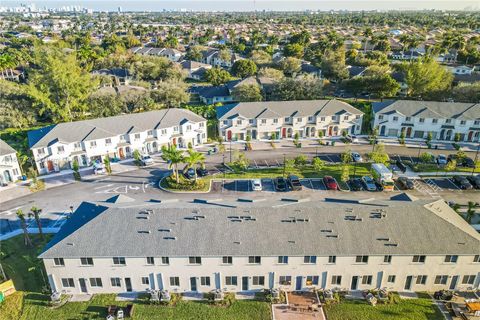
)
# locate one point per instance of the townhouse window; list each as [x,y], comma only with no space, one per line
[463,122]
[408,119]
[58,262]
[77,145]
[310,118]
[163,131]
[441,279]
[419,259]
[205,281]
[311,281]
[310,259]
[322,119]
[15,172]
[380,117]
[174,281]
[60,149]
[283,260]
[195,260]
[41,151]
[367,280]
[227,260]
[287,119]
[468,279]
[451,258]
[361,259]
[165,260]
[275,120]
[225,122]
[119,261]
[239,122]
[476,259]
[150,261]
[391,279]
[86,261]
[251,121]
[476,122]
[299,119]
[68,283]
[150,132]
[175,128]
[332,259]
[201,125]
[264,121]
[345,118]
[434,121]
[189,128]
[337,280]
[137,136]
[116,282]
[421,120]
[421,279]
[395,119]
[448,120]
[231,281]
[254,259]
[258,280]
[146,280]
[108,141]
[42,166]
[285,280]
[96,282]
[93,144]
[387,259]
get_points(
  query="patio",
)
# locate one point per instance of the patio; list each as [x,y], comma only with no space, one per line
[301,305]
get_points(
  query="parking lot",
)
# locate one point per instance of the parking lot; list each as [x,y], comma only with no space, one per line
[245,185]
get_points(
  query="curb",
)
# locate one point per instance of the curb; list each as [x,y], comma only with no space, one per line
[183,192]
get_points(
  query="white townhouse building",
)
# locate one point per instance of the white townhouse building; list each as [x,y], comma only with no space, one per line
[173,55]
[9,167]
[285,119]
[398,245]
[56,147]
[417,118]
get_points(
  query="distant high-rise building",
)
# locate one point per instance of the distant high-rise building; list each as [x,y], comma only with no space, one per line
[119,9]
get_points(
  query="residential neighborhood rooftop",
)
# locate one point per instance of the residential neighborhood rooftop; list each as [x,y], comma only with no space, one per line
[5,149]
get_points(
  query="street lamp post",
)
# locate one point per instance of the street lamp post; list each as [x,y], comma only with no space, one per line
[476,158]
[230,150]
[418,155]
[283,165]
[224,171]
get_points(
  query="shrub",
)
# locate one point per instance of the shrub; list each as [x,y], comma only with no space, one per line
[137,157]
[76,173]
[301,160]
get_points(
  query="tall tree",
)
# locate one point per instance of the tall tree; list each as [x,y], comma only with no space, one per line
[23,223]
[244,68]
[174,157]
[247,93]
[193,159]
[217,76]
[35,212]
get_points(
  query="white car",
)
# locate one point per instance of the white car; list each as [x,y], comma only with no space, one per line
[146,160]
[256,185]
[442,159]
[351,138]
[357,157]
[99,169]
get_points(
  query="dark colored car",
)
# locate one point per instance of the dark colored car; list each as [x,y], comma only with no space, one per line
[462,182]
[406,183]
[294,183]
[281,184]
[330,183]
[400,165]
[475,181]
[356,184]
[468,162]
[189,174]
[202,172]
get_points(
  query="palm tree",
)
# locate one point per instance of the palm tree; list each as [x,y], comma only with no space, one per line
[35,212]
[173,156]
[23,223]
[470,211]
[367,33]
[193,159]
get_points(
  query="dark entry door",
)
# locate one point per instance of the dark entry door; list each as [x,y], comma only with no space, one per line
[408,283]
[193,284]
[128,284]
[453,284]
[244,283]
[298,283]
[354,285]
[83,285]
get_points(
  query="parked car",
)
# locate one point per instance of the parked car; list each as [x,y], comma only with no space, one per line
[369,183]
[280,184]
[100,169]
[202,172]
[146,160]
[462,182]
[401,166]
[475,181]
[330,183]
[294,183]
[190,173]
[256,185]
[442,159]
[357,157]
[351,138]
[468,162]
[406,183]
[356,184]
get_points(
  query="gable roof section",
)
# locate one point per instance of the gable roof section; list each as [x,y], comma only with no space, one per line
[5,148]
[69,132]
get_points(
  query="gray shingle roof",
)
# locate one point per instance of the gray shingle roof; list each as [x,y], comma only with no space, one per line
[417,227]
[430,109]
[100,128]
[5,148]
[286,108]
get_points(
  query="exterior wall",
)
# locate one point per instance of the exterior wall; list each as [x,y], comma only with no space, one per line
[307,127]
[420,127]
[159,275]
[85,152]
[9,168]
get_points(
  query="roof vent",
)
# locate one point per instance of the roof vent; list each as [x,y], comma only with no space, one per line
[353,218]
[164,230]
[70,244]
[144,231]
[142,218]
[236,220]
[332,236]
[291,241]
[233,217]
[170,238]
[199,217]
[383,239]
[326,230]
[236,242]
[391,244]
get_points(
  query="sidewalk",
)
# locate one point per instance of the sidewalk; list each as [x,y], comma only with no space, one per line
[436,145]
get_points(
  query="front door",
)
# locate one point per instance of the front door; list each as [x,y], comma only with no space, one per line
[83,285]
[50,166]
[382,130]
[8,177]
[408,283]
[128,284]
[244,283]
[354,285]
[229,135]
[409,132]
[453,284]
[330,131]
[284,132]
[193,284]
[121,153]
[298,283]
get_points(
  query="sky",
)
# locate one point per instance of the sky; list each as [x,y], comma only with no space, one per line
[249,5]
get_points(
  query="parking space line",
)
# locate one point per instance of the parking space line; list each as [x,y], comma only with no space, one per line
[278,163]
[453,183]
[256,165]
[328,157]
[266,163]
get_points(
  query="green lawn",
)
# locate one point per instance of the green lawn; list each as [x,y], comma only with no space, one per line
[406,309]
[435,168]
[22,266]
